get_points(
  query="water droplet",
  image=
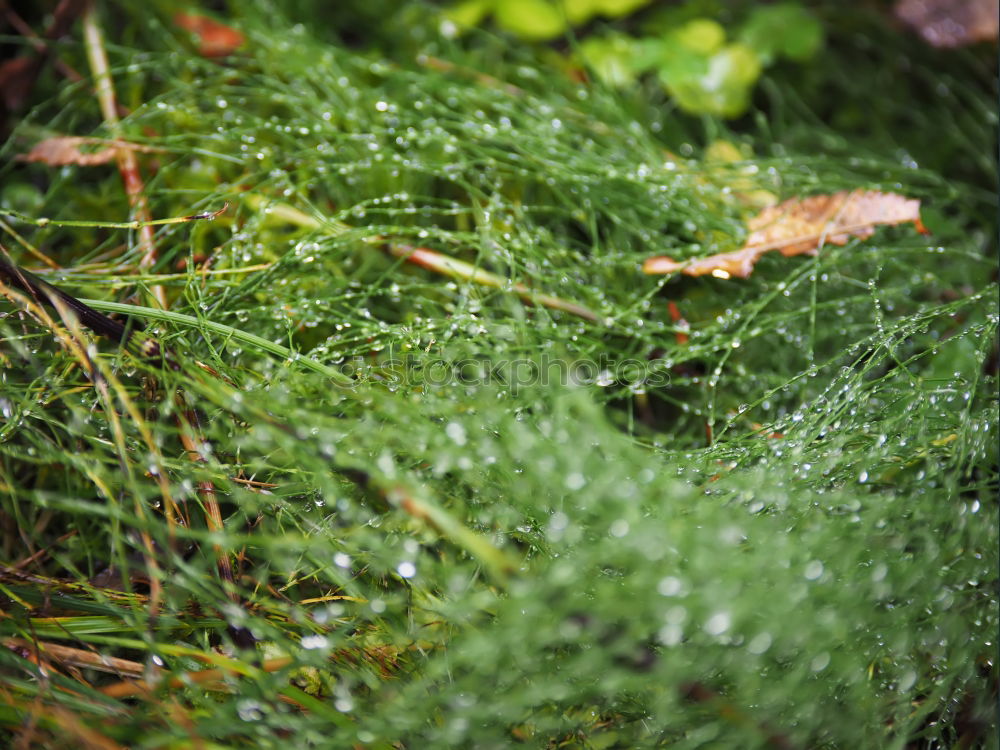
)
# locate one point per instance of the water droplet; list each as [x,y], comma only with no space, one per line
[456,432]
[760,643]
[820,663]
[619,528]
[314,641]
[907,680]
[879,572]
[813,570]
[670,586]
[249,710]
[406,569]
[670,635]
[718,623]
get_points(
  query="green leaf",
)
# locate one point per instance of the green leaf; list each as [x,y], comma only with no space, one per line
[580,11]
[535,20]
[701,36]
[611,58]
[618,8]
[787,29]
[736,63]
[469,13]
[722,87]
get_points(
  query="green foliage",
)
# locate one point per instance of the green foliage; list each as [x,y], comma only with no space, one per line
[701,71]
[688,52]
[696,65]
[530,19]
[539,19]
[775,522]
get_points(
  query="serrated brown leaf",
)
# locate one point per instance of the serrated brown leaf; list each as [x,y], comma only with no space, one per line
[800,227]
[64,150]
[214,39]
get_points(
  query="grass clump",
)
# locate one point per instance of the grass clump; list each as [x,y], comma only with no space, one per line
[457,518]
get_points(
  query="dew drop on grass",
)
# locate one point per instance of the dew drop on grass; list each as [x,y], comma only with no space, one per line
[316,641]
[760,643]
[907,680]
[718,623]
[814,569]
[671,635]
[670,586]
[820,662]
[619,528]
[406,569]
[456,432]
[249,710]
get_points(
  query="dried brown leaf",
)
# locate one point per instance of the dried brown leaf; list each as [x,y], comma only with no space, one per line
[63,150]
[801,227]
[951,23]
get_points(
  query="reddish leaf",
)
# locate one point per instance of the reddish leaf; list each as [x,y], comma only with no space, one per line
[58,152]
[214,39]
[801,226]
[951,23]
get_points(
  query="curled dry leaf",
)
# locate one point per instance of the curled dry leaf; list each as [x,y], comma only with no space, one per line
[801,227]
[214,39]
[58,152]
[951,23]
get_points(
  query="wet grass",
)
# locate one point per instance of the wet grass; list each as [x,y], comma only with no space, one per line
[457,515]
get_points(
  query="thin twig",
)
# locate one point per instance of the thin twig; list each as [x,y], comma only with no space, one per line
[128,164]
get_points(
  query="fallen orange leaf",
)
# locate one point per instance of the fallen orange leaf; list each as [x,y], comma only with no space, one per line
[215,39]
[63,150]
[801,227]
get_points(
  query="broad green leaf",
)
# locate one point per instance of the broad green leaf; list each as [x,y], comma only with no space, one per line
[530,19]
[701,36]
[469,13]
[723,151]
[611,58]
[618,8]
[580,11]
[724,86]
[736,62]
